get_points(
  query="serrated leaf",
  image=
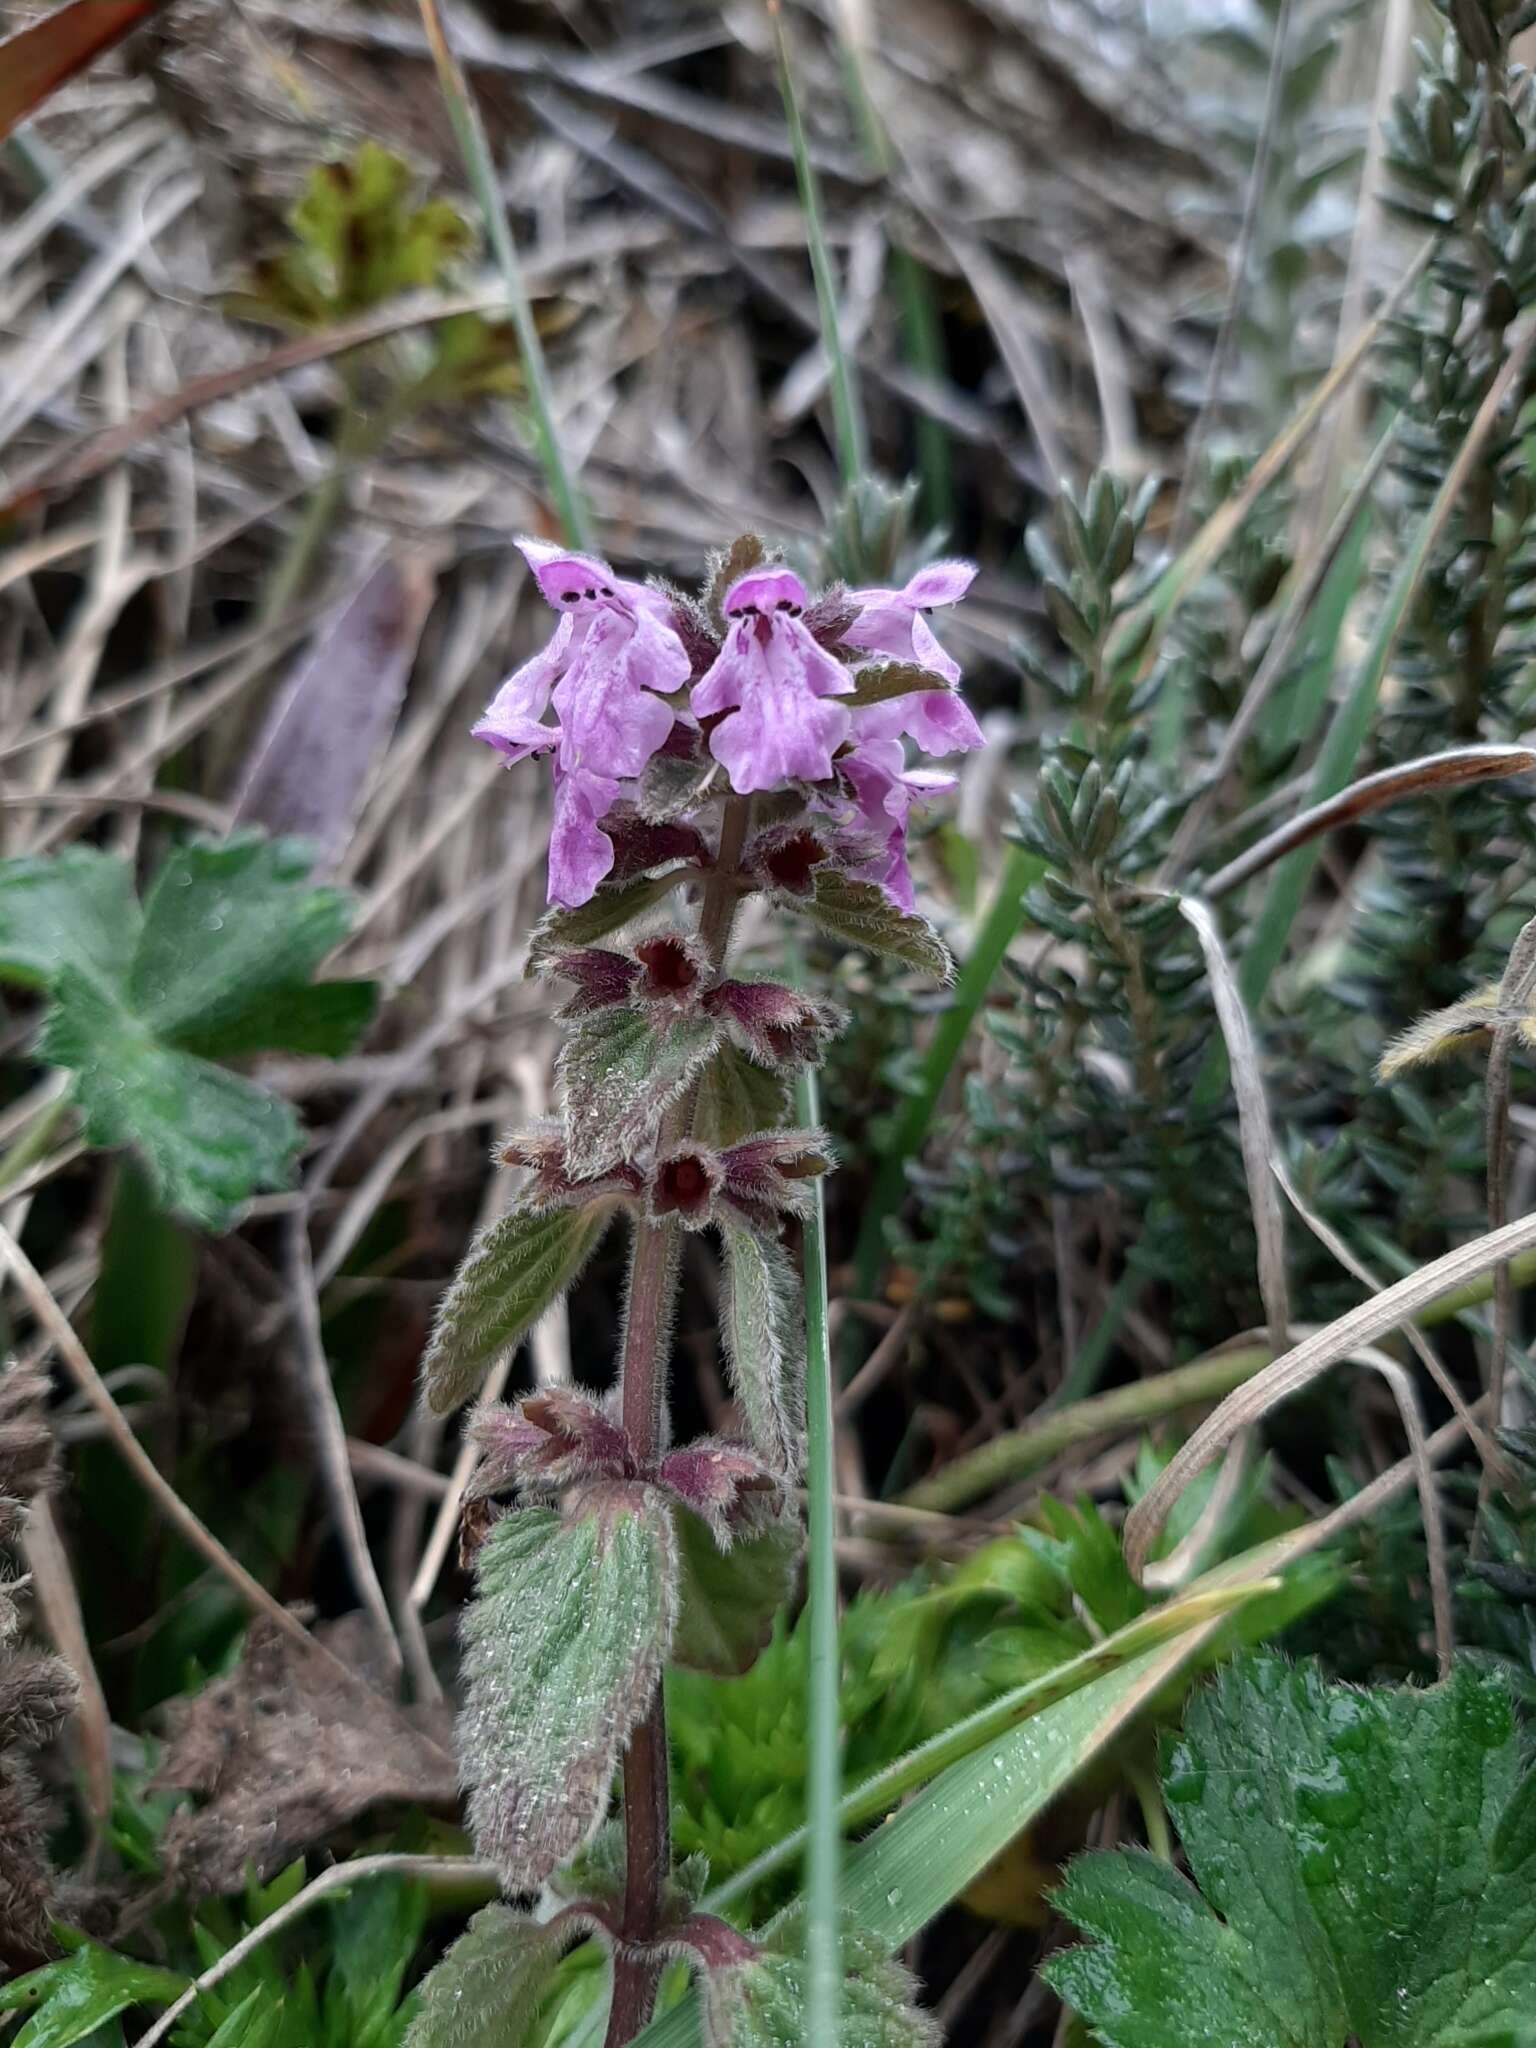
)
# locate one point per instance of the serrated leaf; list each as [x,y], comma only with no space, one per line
[69,2000]
[487,1989]
[735,1098]
[561,931]
[515,1269]
[72,909]
[882,681]
[620,1070]
[1363,1863]
[762,2003]
[232,934]
[207,1139]
[564,1646]
[860,914]
[760,1326]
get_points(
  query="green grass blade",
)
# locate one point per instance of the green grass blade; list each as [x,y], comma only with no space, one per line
[881,1792]
[481,172]
[824,1835]
[1347,732]
[847,408]
[1002,921]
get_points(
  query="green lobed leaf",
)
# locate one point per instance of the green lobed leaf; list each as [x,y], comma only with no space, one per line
[487,1989]
[761,1328]
[564,1644]
[860,914]
[615,905]
[762,2003]
[736,1097]
[71,909]
[232,935]
[727,1601]
[880,682]
[515,1269]
[69,2000]
[207,1139]
[620,1071]
[1363,1861]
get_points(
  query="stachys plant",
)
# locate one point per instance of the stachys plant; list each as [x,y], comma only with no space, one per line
[749,746]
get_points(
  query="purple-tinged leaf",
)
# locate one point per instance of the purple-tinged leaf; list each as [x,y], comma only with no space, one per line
[486,1991]
[620,1071]
[548,1440]
[601,978]
[760,1324]
[727,1600]
[724,1484]
[311,767]
[883,681]
[515,1269]
[778,1026]
[541,1148]
[565,1641]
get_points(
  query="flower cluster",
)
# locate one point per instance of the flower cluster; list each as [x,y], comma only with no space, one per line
[779,691]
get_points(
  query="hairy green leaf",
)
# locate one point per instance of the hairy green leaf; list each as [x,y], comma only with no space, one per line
[207,1139]
[760,1323]
[72,909]
[616,904]
[762,2003]
[882,681]
[736,1097]
[620,1071]
[1363,1862]
[860,914]
[564,1644]
[727,1600]
[487,1989]
[515,1269]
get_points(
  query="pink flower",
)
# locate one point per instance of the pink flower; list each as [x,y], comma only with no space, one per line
[884,791]
[773,680]
[606,668]
[892,622]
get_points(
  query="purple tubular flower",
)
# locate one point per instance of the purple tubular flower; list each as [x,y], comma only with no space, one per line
[773,681]
[891,621]
[608,665]
[884,791]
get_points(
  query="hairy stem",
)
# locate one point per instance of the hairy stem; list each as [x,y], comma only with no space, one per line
[647,1332]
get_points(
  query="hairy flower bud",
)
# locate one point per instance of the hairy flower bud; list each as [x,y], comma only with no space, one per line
[723,1483]
[778,1026]
[787,859]
[551,1439]
[684,1184]
[542,1149]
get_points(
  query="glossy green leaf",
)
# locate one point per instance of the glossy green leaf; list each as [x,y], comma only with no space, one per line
[69,1999]
[487,1989]
[516,1268]
[207,1138]
[1363,1861]
[564,1644]
[72,909]
[232,935]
